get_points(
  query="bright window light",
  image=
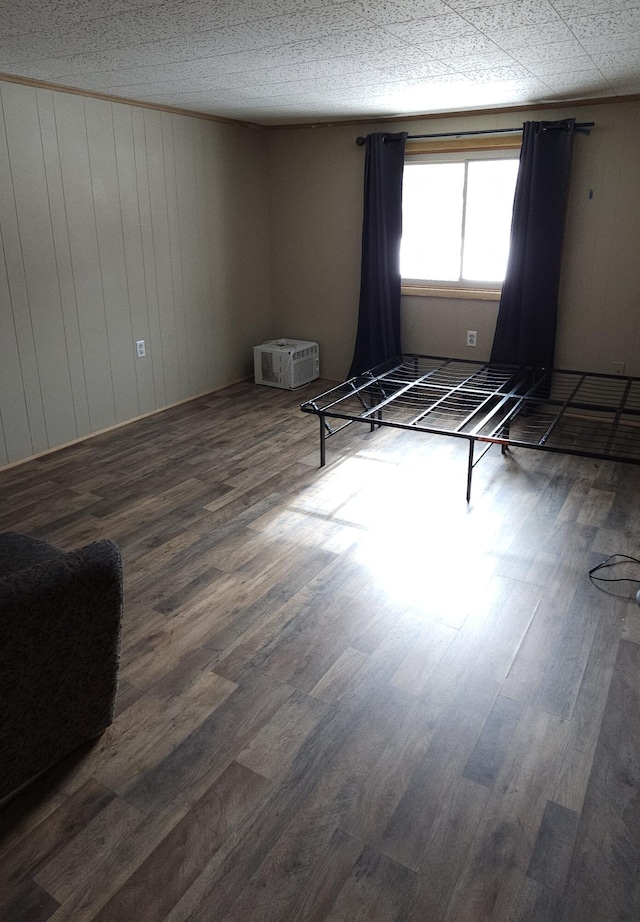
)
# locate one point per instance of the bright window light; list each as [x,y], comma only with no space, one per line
[457,220]
[432,249]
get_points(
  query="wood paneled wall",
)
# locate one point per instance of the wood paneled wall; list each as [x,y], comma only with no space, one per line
[119,223]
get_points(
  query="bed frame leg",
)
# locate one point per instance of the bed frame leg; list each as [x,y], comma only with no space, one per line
[323,438]
[470,469]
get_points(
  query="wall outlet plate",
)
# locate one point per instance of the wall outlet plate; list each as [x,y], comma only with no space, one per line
[140,350]
[472,337]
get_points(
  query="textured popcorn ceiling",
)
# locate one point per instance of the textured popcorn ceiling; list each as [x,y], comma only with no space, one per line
[280,61]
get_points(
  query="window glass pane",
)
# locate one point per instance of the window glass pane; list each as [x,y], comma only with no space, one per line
[490,189]
[432,221]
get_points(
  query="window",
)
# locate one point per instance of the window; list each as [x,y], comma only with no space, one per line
[456,214]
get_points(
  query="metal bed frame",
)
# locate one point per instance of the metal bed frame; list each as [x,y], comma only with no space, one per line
[569,412]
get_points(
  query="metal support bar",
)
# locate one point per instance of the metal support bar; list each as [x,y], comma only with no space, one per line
[323,452]
[371,379]
[473,461]
[618,416]
[470,468]
[561,411]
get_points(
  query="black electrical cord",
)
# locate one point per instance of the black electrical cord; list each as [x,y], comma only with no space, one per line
[611,562]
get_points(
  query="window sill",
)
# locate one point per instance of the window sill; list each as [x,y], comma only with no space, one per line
[432,291]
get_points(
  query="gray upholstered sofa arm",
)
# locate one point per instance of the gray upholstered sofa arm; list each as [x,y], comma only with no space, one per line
[60,623]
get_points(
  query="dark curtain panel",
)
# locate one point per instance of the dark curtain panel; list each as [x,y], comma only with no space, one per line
[378,337]
[526,327]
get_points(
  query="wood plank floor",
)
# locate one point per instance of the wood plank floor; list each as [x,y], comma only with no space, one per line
[344,693]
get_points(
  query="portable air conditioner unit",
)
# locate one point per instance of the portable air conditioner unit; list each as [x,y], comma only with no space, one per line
[286,363]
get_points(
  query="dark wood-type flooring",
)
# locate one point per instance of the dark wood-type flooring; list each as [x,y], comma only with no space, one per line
[344,694]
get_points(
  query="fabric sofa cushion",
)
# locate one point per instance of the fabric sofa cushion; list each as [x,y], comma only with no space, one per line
[19,552]
[60,624]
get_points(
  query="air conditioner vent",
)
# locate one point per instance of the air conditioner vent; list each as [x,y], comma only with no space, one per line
[286,363]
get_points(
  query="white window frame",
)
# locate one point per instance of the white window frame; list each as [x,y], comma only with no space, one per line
[505,147]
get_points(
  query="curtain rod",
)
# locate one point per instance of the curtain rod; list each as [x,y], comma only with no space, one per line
[582,127]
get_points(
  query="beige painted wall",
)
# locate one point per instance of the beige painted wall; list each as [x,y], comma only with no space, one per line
[315,179]
[119,223]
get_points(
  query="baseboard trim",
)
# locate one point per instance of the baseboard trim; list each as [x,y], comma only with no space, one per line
[126,422]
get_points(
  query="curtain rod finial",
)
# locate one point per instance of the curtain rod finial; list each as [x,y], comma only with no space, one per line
[361,141]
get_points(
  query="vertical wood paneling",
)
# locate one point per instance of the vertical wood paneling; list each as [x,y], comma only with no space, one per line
[220,230]
[16,438]
[104,181]
[210,303]
[134,263]
[57,206]
[111,231]
[39,260]
[4,457]
[215,309]
[154,353]
[174,245]
[85,257]
[189,251]
[161,248]
[34,422]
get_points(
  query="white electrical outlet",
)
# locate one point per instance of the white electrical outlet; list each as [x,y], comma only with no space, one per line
[472,337]
[618,368]
[140,350]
